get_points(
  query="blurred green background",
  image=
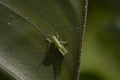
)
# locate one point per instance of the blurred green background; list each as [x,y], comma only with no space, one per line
[101,49]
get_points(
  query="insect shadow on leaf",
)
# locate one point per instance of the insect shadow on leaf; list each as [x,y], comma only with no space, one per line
[53,58]
[55,54]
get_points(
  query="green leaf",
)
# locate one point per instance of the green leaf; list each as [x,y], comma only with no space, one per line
[24,25]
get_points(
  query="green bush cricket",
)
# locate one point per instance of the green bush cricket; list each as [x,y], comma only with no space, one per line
[58,44]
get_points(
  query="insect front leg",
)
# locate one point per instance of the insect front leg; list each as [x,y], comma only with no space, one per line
[64,42]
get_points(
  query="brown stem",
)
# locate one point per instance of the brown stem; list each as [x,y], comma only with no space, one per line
[82,36]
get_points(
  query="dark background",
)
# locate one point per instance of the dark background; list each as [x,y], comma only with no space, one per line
[101,50]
